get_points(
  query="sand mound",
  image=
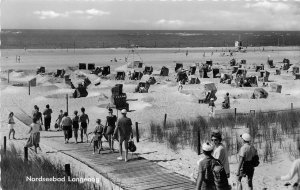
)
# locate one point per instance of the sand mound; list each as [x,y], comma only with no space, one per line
[148,99]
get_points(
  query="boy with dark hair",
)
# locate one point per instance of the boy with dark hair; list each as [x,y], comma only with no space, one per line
[84,121]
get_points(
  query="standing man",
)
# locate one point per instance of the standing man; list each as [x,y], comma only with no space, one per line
[84,121]
[245,167]
[111,125]
[124,130]
[47,117]
[220,152]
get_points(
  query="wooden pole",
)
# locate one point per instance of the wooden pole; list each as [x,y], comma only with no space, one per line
[137,132]
[165,120]
[68,169]
[26,153]
[292,106]
[198,142]
[8,76]
[67,103]
[235,113]
[29,88]
[4,144]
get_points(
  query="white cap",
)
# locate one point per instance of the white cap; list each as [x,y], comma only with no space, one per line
[124,111]
[207,147]
[212,99]
[246,137]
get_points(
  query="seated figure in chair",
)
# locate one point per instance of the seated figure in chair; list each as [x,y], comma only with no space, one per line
[226,103]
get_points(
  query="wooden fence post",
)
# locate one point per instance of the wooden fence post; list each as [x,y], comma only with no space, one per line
[292,107]
[26,153]
[137,132]
[68,169]
[29,88]
[165,120]
[8,76]
[198,142]
[4,144]
[67,103]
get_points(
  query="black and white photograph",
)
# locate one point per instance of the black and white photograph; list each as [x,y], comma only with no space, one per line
[150,94]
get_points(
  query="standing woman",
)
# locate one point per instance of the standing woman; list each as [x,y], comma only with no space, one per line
[111,125]
[66,124]
[11,124]
[34,138]
[58,120]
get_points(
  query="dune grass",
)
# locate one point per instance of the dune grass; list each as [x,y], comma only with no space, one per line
[15,173]
[265,129]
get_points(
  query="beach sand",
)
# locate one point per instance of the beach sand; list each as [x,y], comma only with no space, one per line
[162,98]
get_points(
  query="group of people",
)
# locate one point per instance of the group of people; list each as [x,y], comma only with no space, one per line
[114,128]
[214,167]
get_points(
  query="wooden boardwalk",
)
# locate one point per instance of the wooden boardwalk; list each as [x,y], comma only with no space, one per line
[136,174]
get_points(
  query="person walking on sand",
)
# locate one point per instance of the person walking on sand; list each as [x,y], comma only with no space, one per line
[245,167]
[205,179]
[84,121]
[110,128]
[180,85]
[34,138]
[47,117]
[75,124]
[124,130]
[58,120]
[66,124]
[97,139]
[211,106]
[11,125]
[220,151]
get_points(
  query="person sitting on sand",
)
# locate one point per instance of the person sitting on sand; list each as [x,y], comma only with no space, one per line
[58,120]
[111,125]
[11,125]
[97,138]
[75,124]
[124,130]
[66,124]
[34,138]
[226,103]
[84,121]
[245,167]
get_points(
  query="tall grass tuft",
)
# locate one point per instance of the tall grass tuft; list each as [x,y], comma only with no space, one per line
[14,173]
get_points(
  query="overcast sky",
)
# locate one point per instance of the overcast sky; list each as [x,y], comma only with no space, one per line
[151,15]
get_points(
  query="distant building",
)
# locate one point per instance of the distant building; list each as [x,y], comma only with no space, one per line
[238,45]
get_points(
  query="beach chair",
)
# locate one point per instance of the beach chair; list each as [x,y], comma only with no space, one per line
[295,70]
[216,73]
[192,70]
[91,66]
[82,66]
[164,71]
[178,66]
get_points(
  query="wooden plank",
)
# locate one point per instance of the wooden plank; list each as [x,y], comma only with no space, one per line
[181,186]
[161,185]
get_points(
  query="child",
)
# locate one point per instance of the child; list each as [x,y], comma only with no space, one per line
[98,132]
[34,138]
[11,124]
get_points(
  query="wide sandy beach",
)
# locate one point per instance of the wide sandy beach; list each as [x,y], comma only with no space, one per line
[163,97]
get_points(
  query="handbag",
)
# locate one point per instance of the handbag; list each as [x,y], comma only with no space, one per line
[131,146]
